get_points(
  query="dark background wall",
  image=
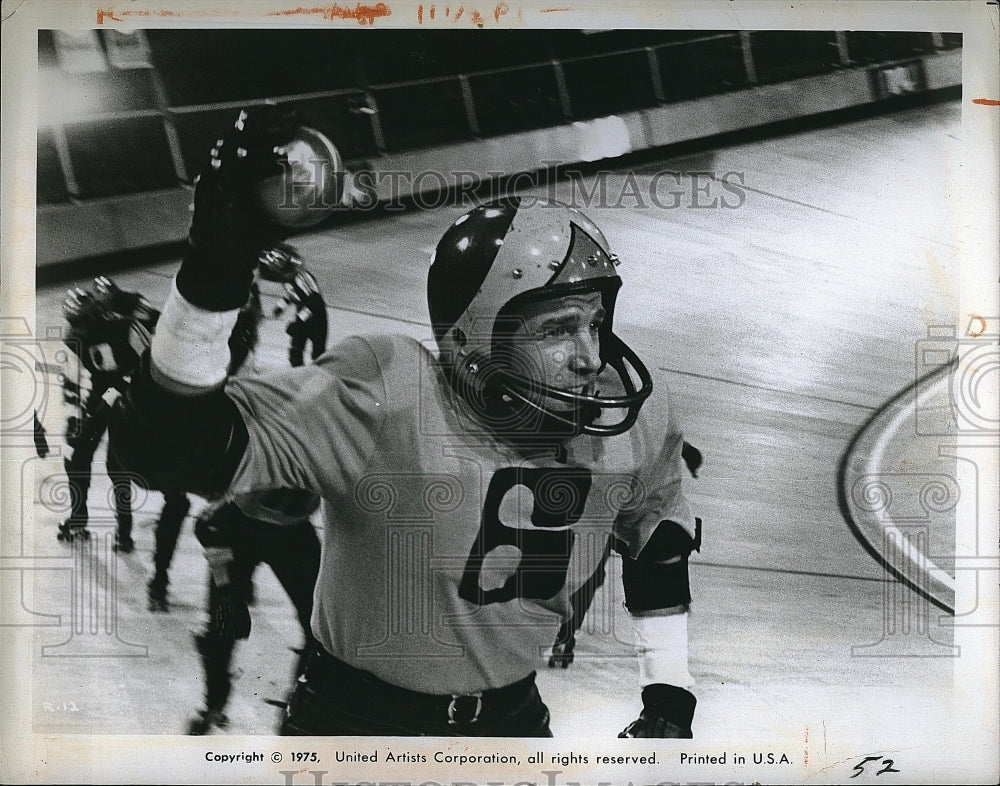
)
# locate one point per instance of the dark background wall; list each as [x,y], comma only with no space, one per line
[126,120]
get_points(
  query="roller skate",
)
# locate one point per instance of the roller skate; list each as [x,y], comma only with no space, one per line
[70,531]
[215,655]
[206,720]
[124,543]
[562,650]
[157,595]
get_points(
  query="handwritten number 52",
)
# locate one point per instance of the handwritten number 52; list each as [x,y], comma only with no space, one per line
[859,768]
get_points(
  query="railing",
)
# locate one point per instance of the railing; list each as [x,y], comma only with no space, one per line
[149,128]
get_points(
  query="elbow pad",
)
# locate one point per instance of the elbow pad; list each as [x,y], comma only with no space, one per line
[658,577]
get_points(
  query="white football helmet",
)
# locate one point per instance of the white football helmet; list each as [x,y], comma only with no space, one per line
[490,262]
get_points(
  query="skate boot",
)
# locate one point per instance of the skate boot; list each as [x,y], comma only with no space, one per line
[562,649]
[216,653]
[123,513]
[71,530]
[124,543]
[157,595]
[206,721]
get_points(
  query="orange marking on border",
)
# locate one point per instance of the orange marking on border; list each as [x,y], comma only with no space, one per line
[501,10]
[364,14]
[433,11]
[986,101]
[458,14]
[420,14]
[299,11]
[982,323]
[477,18]
[107,14]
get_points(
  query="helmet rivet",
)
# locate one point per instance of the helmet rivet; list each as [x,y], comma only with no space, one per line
[592,259]
[517,272]
[615,260]
[554,264]
[473,368]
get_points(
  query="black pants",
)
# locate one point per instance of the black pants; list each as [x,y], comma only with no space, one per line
[168,530]
[78,472]
[333,698]
[293,553]
[312,329]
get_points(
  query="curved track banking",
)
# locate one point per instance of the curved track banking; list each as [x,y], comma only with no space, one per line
[869,517]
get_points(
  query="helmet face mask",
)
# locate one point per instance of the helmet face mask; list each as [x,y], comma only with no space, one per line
[109,328]
[500,262]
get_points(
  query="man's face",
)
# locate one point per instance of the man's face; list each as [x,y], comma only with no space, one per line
[558,342]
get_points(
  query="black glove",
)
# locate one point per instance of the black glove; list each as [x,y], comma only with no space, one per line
[302,286]
[215,526]
[228,229]
[230,615]
[667,711]
[74,428]
[71,391]
[280,263]
[124,301]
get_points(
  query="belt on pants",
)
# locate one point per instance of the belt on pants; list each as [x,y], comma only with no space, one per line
[333,677]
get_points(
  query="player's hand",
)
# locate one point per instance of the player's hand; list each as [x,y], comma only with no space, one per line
[562,649]
[125,301]
[71,392]
[230,614]
[302,286]
[667,711]
[74,429]
[228,228]
[225,198]
[280,263]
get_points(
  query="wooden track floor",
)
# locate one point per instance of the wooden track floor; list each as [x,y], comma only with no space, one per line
[779,327]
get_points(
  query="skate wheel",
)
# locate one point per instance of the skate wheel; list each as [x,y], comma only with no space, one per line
[69,534]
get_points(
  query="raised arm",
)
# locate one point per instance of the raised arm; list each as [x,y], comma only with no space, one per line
[175,427]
